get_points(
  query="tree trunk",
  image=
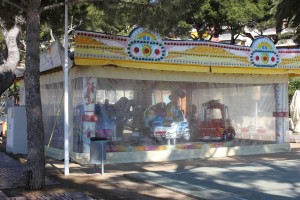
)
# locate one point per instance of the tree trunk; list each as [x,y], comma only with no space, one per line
[232,39]
[35,174]
[7,75]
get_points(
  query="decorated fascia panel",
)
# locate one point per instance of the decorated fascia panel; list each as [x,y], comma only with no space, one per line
[264,53]
[95,46]
[290,58]
[206,53]
[148,47]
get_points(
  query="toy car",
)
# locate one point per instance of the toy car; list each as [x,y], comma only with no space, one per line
[214,122]
[178,130]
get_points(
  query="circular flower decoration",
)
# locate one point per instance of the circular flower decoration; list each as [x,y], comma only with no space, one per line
[264,53]
[145,46]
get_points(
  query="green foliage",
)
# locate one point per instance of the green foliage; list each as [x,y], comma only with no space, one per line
[205,17]
[109,18]
[294,84]
[288,10]
[92,20]
[3,50]
[181,30]
[266,19]
[14,92]
[217,16]
[76,15]
[165,17]
[169,18]
[238,14]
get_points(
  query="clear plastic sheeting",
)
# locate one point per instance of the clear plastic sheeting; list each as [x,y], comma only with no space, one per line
[142,115]
[53,115]
[146,115]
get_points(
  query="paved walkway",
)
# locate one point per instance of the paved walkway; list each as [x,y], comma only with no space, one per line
[12,174]
[265,180]
[265,176]
[10,171]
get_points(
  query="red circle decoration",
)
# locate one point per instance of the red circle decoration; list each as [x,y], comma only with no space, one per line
[136,50]
[157,51]
[273,59]
[265,58]
[257,58]
[146,50]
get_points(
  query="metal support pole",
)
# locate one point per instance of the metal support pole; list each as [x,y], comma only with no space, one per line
[66,96]
[103,151]
[281,112]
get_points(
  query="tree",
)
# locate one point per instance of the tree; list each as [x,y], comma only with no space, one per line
[206,18]
[266,19]
[35,173]
[288,10]
[209,18]
[159,16]
[294,84]
[213,17]
[237,14]
[7,75]
[10,26]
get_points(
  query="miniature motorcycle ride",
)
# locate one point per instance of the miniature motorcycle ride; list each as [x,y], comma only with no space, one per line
[176,130]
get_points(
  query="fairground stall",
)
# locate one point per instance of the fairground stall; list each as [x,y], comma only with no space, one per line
[156,100]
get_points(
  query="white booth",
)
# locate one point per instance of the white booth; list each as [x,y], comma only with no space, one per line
[16,130]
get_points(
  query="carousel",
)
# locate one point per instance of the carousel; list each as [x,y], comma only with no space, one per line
[155,100]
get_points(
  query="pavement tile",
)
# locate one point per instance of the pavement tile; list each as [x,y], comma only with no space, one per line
[12,176]
[9,176]
[7,161]
[12,173]
[62,196]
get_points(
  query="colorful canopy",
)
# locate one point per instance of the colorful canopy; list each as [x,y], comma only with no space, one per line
[144,49]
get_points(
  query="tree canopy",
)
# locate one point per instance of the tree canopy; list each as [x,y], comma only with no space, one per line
[288,11]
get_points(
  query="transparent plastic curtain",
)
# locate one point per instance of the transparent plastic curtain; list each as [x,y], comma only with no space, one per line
[53,114]
[78,112]
[149,113]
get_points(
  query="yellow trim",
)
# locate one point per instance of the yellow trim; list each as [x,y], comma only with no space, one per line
[146,34]
[86,40]
[103,51]
[264,44]
[185,67]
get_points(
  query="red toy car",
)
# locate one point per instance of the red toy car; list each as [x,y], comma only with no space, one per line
[214,122]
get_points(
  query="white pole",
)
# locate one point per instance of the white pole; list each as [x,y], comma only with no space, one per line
[281,107]
[66,95]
